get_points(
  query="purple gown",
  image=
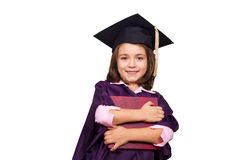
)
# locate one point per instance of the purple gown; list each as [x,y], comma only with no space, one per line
[91,145]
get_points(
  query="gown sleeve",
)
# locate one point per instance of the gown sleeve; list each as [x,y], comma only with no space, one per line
[92,131]
[169,121]
[103,115]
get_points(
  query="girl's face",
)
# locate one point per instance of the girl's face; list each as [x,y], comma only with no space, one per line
[132,62]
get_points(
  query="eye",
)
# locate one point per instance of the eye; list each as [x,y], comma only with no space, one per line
[140,58]
[123,58]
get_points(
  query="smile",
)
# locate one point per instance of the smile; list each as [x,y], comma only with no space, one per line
[132,72]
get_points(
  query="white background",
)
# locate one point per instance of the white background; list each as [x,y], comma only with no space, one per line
[49,63]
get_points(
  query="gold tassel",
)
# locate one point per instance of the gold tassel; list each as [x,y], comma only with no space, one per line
[156,51]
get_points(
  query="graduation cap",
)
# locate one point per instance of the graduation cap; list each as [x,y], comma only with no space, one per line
[136,30]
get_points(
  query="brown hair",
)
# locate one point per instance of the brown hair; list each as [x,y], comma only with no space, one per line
[146,81]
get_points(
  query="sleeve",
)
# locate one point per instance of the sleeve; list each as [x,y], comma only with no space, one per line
[169,120]
[103,116]
[167,134]
[91,131]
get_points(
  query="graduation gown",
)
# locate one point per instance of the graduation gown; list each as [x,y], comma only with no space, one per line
[91,145]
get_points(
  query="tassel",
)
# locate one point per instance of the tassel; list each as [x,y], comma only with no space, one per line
[156,51]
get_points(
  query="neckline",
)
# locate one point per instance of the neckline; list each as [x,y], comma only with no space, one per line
[138,90]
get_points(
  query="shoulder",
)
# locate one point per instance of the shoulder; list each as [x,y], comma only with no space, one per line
[160,96]
[102,84]
[157,93]
[163,103]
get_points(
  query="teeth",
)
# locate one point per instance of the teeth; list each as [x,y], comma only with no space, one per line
[132,72]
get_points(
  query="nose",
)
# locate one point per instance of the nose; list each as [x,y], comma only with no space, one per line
[132,62]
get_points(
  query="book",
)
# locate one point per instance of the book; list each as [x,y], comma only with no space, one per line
[135,103]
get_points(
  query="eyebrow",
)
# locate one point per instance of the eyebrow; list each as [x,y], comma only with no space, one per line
[138,54]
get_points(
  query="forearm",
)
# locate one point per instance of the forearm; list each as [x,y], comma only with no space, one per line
[147,134]
[126,115]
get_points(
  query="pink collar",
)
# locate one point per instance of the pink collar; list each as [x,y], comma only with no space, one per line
[140,89]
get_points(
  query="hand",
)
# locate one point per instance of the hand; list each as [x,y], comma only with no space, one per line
[117,136]
[152,113]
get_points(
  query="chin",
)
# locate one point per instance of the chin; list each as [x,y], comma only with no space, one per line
[132,80]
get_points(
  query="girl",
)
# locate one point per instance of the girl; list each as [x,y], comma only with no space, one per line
[130,79]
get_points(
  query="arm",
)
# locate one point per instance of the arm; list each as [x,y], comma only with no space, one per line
[121,135]
[166,135]
[145,135]
[112,115]
[103,115]
[147,113]
[126,115]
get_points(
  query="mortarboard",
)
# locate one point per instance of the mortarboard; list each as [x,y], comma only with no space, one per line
[137,30]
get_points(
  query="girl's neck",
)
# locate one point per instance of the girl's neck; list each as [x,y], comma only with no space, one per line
[133,87]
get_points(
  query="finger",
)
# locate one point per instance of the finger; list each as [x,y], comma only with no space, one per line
[160,112]
[108,140]
[107,133]
[114,147]
[149,103]
[105,142]
[160,115]
[105,138]
[112,128]
[159,119]
[158,107]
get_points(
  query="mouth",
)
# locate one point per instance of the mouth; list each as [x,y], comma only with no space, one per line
[132,72]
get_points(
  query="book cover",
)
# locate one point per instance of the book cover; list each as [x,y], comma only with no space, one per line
[135,103]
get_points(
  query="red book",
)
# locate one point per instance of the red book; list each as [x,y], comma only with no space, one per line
[135,103]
